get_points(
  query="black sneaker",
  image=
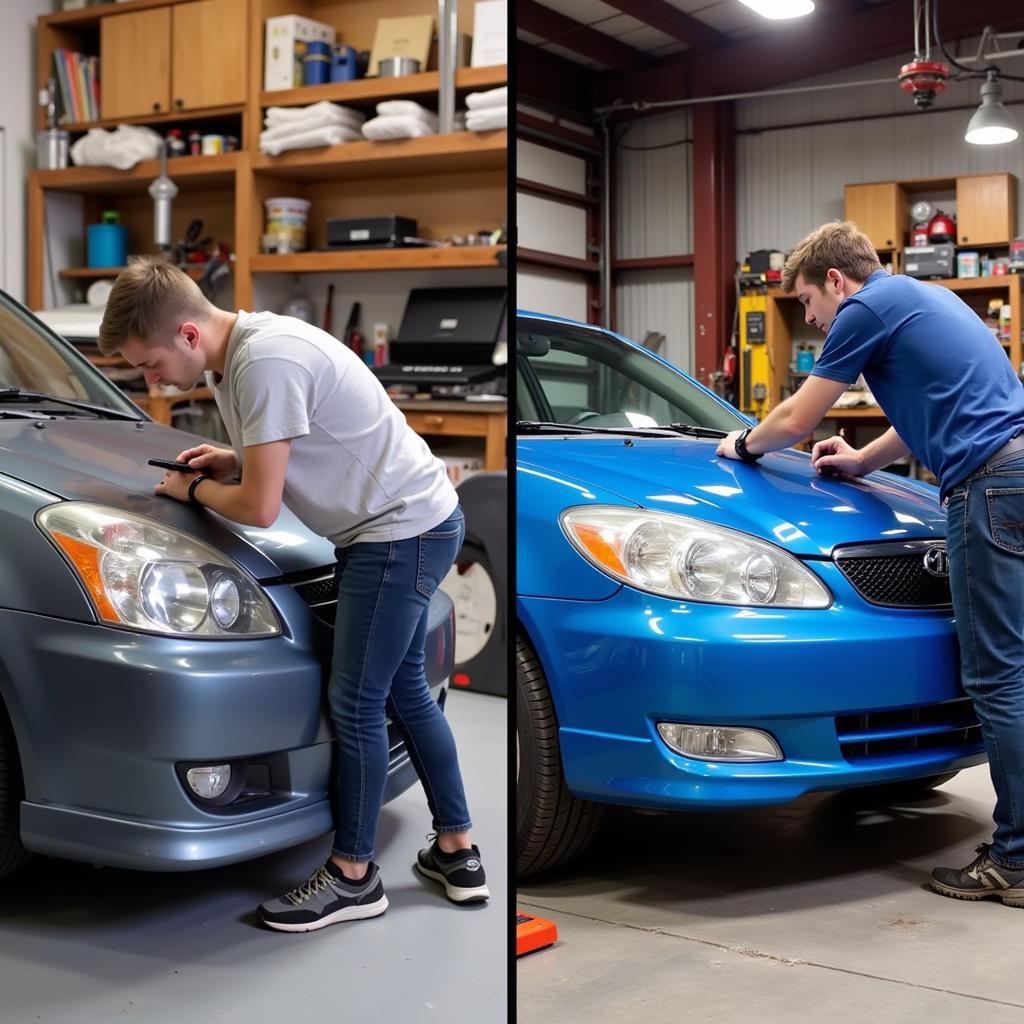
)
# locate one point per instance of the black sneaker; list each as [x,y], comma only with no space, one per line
[461,873]
[982,877]
[326,898]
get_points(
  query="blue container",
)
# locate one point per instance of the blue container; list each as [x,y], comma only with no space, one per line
[106,244]
[316,64]
[343,67]
[805,360]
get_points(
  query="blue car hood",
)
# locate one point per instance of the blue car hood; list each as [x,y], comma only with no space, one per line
[105,461]
[781,499]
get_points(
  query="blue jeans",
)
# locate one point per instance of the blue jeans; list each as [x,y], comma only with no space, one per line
[380,634]
[985,531]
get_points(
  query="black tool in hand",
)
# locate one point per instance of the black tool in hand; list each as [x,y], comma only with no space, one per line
[181,467]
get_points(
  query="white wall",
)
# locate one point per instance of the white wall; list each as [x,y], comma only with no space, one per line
[18,119]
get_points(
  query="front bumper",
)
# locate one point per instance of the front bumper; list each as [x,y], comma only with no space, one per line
[617,667]
[103,716]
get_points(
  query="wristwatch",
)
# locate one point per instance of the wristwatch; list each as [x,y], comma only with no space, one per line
[740,447]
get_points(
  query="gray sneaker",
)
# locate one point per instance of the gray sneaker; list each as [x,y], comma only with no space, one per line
[326,899]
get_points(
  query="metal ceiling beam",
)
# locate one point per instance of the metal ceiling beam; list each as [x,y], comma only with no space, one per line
[673,22]
[549,79]
[812,46]
[582,39]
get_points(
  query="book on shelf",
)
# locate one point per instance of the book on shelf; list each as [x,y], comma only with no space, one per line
[77,76]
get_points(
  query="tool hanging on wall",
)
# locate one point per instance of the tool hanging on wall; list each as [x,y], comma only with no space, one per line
[162,191]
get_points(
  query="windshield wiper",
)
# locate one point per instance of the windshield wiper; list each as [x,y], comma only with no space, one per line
[537,427]
[695,431]
[20,395]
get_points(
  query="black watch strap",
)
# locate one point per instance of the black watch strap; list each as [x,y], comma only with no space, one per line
[740,447]
[192,489]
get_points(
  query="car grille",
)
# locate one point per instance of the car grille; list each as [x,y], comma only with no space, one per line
[321,593]
[951,726]
[893,575]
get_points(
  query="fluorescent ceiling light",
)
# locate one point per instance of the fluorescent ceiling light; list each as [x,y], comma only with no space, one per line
[779,9]
[991,124]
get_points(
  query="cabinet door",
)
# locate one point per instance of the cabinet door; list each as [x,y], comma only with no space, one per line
[135,63]
[986,207]
[208,44]
[880,211]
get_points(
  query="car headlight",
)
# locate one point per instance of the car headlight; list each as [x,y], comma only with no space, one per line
[675,556]
[143,575]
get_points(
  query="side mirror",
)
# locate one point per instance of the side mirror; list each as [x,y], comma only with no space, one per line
[533,345]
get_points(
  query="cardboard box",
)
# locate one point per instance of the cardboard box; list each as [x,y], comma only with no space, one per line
[286,39]
[490,33]
[402,37]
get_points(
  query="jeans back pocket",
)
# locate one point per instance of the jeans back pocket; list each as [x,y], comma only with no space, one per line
[1006,517]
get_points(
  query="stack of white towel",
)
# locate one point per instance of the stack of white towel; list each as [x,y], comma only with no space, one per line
[400,119]
[321,124]
[488,111]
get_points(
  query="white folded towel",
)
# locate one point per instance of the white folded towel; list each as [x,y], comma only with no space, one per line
[491,98]
[407,108]
[487,119]
[398,126]
[320,113]
[277,141]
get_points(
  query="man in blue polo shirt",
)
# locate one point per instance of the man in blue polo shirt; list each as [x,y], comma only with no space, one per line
[953,400]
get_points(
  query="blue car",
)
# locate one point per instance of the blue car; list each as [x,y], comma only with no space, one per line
[696,632]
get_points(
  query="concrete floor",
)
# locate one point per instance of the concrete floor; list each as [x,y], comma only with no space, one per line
[79,946]
[815,912]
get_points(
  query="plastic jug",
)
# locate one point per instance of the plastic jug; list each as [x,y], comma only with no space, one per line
[106,243]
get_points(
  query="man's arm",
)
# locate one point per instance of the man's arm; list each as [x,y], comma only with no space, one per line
[791,420]
[835,454]
[256,501]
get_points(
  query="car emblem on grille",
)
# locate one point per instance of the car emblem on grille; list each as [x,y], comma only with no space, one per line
[936,561]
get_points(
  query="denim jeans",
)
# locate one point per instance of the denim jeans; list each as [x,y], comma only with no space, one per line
[985,531]
[380,635]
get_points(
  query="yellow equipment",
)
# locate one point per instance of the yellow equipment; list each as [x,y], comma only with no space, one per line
[754,362]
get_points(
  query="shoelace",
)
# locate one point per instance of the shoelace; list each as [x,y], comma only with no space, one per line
[320,880]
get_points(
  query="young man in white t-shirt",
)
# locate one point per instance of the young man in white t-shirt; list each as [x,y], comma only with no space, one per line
[312,427]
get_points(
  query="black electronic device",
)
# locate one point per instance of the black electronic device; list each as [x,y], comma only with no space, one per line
[447,337]
[923,261]
[370,232]
[181,467]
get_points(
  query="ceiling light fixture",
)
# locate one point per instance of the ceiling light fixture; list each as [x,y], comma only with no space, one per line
[991,124]
[776,10]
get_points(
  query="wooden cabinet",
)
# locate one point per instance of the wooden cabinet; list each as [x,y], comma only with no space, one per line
[136,64]
[986,207]
[879,209]
[185,57]
[208,54]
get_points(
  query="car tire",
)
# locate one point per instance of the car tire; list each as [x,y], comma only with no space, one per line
[12,854]
[906,790]
[552,825]
[486,669]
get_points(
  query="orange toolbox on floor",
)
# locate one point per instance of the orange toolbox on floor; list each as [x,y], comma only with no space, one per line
[533,933]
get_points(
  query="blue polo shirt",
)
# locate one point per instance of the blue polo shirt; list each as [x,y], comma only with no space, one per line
[936,370]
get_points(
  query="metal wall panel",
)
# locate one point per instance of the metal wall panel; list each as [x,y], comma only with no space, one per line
[549,225]
[551,167]
[653,196]
[659,300]
[542,290]
[790,180]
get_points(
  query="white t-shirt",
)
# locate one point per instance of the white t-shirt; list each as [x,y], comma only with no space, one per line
[357,472]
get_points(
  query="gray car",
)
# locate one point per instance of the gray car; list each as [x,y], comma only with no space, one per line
[162,670]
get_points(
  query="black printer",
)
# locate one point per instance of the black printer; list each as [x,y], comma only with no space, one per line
[446,341]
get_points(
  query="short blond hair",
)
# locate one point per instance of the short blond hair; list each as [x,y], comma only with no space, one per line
[839,244]
[150,298]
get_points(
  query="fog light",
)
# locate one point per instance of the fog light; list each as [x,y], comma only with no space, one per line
[719,742]
[209,781]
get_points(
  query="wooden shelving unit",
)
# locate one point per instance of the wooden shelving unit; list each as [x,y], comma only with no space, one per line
[453,184]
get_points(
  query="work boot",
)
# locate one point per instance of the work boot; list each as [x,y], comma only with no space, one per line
[982,877]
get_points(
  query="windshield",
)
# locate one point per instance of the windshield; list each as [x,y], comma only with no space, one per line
[572,375]
[33,359]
